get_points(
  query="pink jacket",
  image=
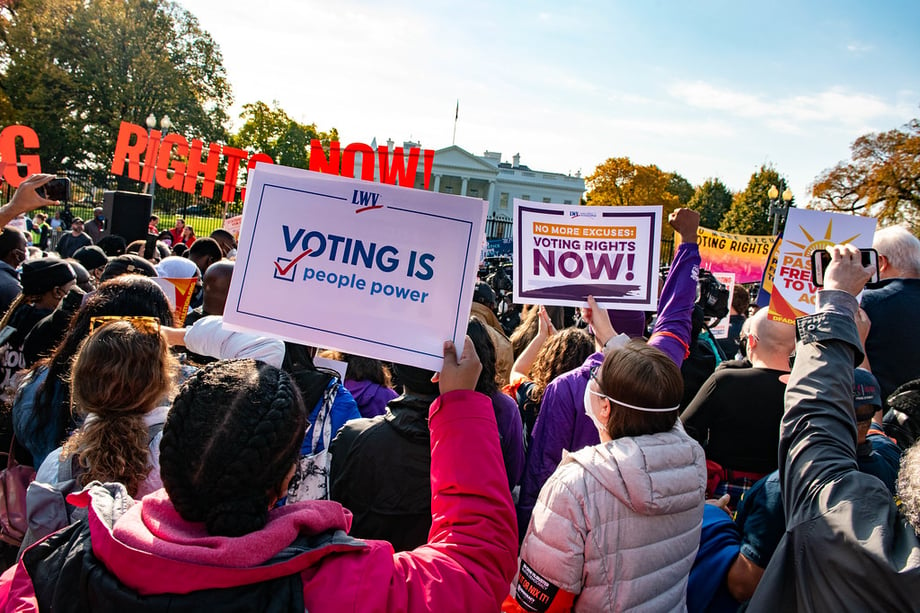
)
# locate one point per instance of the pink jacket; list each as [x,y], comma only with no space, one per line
[467,564]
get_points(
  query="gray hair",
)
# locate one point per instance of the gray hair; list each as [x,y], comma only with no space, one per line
[909,486]
[900,247]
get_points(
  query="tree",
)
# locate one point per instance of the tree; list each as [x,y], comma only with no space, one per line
[619,182]
[882,178]
[73,70]
[680,187]
[712,200]
[750,209]
[270,130]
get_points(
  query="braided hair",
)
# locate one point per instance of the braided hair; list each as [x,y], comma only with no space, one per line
[231,439]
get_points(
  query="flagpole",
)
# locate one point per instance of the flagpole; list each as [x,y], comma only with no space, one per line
[456,116]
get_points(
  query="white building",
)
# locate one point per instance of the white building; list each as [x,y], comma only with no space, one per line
[457,171]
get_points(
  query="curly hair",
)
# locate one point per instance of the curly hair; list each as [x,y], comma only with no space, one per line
[232,437]
[118,375]
[909,486]
[561,353]
[123,296]
[527,329]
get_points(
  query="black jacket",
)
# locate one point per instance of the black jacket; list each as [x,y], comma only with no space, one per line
[381,471]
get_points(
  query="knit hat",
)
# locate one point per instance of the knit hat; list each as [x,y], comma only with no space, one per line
[483,294]
[91,257]
[415,379]
[128,264]
[42,275]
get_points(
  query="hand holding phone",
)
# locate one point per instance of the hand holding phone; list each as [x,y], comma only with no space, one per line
[821,259]
[56,189]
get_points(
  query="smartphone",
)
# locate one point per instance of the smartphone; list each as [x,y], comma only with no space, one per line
[56,189]
[821,259]
[150,248]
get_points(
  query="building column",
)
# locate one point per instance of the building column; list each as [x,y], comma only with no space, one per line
[437,182]
[463,186]
[491,195]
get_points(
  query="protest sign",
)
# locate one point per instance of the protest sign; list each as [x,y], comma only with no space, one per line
[564,253]
[720,330]
[743,255]
[365,268]
[232,225]
[766,282]
[179,293]
[792,294]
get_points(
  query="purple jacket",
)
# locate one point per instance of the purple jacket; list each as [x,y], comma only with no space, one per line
[511,431]
[563,424]
[371,398]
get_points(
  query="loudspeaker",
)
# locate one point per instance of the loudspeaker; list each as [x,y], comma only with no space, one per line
[128,214]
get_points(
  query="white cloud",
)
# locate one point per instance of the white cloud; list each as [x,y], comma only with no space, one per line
[835,105]
[857,47]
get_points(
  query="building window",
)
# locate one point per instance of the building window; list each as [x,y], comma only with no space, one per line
[566,202]
[503,200]
[525,197]
[546,200]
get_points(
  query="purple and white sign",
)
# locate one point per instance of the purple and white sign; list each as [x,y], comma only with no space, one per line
[564,253]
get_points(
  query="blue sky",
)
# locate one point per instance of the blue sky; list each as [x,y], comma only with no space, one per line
[706,89]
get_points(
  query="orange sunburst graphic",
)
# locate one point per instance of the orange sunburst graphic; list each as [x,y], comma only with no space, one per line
[782,308]
[822,243]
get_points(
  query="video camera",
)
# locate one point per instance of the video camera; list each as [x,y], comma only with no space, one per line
[712,296]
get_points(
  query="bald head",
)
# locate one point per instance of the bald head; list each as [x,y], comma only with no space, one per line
[216,287]
[771,342]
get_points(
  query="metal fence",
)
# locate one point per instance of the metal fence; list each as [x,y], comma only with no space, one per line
[208,214]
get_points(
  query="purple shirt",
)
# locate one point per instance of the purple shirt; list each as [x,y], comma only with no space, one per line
[563,424]
[371,398]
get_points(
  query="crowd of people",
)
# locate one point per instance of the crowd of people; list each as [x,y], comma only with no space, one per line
[581,460]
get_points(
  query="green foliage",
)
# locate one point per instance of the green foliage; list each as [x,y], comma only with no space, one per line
[619,182]
[750,208]
[680,187]
[882,178]
[270,130]
[712,200]
[74,70]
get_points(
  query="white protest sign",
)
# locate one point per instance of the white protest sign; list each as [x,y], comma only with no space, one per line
[720,330]
[366,268]
[793,294]
[564,253]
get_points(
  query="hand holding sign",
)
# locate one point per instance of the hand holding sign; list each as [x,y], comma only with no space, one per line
[462,373]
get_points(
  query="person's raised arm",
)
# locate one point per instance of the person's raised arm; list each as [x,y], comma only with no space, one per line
[524,362]
[471,554]
[25,199]
[818,430]
[671,333]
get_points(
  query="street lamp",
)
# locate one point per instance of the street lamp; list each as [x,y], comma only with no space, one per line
[165,124]
[778,208]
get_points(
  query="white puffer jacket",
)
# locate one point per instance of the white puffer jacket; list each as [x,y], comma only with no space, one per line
[618,523]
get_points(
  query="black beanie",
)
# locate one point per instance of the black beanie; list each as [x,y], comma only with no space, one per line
[91,257]
[42,275]
[417,380]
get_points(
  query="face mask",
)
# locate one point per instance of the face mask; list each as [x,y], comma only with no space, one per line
[589,411]
[231,253]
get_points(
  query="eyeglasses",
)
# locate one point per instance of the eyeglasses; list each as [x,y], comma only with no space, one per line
[592,374]
[141,323]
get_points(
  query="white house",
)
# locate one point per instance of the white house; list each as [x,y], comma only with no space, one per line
[457,171]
